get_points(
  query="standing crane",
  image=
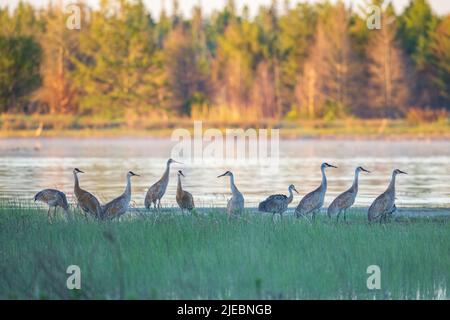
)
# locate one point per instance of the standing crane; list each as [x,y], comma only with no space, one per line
[313,201]
[236,204]
[86,200]
[117,207]
[54,198]
[277,203]
[184,198]
[157,190]
[384,204]
[346,199]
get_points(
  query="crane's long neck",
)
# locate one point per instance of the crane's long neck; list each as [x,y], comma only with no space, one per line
[77,184]
[179,187]
[234,189]
[166,173]
[391,186]
[291,196]
[323,186]
[127,191]
[355,181]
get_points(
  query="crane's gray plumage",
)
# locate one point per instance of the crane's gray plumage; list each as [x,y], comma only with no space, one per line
[313,201]
[184,198]
[86,200]
[157,190]
[277,203]
[117,207]
[346,199]
[236,203]
[384,204]
[53,198]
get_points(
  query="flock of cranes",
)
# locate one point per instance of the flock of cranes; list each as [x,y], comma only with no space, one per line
[310,204]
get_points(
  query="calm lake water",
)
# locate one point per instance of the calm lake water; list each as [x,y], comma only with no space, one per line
[29,165]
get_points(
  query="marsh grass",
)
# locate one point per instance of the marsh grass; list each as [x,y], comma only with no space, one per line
[207,256]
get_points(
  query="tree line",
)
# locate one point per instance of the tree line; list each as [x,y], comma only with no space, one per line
[290,60]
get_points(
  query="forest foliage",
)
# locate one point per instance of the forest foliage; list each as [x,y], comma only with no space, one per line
[289,61]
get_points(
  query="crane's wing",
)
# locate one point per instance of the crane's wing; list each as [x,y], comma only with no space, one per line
[274,203]
[188,200]
[277,197]
[63,200]
[89,203]
[309,202]
[344,200]
[153,192]
[46,195]
[379,205]
[112,209]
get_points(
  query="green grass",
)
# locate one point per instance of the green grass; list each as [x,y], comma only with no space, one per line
[207,256]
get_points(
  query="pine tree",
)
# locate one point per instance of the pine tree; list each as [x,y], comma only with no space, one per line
[58,93]
[440,61]
[388,86]
[119,69]
[20,59]
[415,27]
[326,82]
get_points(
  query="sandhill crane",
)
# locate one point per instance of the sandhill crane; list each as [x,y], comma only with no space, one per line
[277,203]
[313,201]
[157,190]
[236,204]
[86,200]
[184,198]
[117,207]
[384,204]
[54,198]
[346,199]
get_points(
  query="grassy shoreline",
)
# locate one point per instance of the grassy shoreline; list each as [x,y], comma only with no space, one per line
[70,126]
[207,256]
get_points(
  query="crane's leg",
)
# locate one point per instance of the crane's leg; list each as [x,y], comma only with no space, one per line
[337,217]
[159,204]
[345,215]
[306,217]
[314,215]
[54,213]
[49,215]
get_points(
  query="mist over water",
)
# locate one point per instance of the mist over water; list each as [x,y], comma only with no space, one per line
[29,165]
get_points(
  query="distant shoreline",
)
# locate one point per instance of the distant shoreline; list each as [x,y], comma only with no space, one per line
[166,134]
[22,126]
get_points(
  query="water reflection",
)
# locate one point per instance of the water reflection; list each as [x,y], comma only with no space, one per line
[29,165]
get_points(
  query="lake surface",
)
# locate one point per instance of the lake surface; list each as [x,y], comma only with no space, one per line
[29,165]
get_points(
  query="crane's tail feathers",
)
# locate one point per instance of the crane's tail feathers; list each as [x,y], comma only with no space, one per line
[332,210]
[262,206]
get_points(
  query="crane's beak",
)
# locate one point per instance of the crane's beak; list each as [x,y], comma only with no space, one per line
[400,171]
[295,190]
[182,174]
[177,162]
[330,165]
[221,175]
[365,170]
[134,174]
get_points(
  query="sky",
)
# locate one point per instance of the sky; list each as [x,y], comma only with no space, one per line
[441,7]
